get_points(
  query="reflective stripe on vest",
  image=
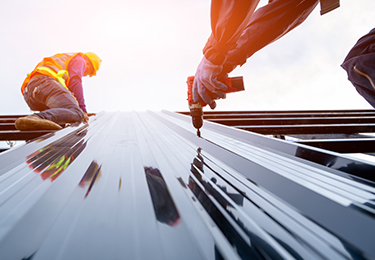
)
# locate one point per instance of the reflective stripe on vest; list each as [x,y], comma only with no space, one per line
[58,76]
[55,67]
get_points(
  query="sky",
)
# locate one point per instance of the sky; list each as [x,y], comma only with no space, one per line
[150,47]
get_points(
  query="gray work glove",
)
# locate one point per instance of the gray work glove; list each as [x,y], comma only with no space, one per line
[206,86]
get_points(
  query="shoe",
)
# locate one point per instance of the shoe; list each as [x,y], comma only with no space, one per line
[33,122]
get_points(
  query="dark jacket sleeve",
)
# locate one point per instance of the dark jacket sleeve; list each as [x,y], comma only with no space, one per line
[268,24]
[228,20]
[76,69]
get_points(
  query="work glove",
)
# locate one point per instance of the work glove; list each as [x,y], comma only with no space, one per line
[206,86]
[234,58]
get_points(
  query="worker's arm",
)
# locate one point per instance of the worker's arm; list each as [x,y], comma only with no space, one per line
[228,19]
[268,24]
[76,68]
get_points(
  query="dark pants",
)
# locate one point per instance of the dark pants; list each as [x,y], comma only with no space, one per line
[362,56]
[55,102]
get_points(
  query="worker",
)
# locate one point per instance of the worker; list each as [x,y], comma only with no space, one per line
[55,89]
[238,32]
[360,66]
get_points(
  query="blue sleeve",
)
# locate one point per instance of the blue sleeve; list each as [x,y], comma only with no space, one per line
[76,69]
[228,19]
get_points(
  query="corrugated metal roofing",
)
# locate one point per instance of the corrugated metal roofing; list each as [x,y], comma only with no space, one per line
[142,185]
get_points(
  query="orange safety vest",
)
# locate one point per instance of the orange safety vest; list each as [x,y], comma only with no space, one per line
[55,67]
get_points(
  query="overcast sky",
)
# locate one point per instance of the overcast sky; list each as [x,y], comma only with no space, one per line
[149,48]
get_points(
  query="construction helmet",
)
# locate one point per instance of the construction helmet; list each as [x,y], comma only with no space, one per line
[95,60]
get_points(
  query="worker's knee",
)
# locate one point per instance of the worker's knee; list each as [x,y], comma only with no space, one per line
[81,115]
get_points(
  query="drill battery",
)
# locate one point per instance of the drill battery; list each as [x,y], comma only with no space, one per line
[234,84]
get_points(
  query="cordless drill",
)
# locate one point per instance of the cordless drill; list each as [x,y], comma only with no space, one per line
[234,84]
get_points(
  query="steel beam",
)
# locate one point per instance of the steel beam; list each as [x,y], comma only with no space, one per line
[22,135]
[357,145]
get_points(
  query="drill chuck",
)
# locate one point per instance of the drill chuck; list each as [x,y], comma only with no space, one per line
[196,113]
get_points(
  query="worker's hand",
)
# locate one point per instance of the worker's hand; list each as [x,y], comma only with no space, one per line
[206,86]
[85,118]
[229,67]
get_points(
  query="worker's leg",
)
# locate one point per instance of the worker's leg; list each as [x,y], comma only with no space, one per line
[268,24]
[55,101]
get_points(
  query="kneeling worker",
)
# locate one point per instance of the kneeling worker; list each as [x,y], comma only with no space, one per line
[55,89]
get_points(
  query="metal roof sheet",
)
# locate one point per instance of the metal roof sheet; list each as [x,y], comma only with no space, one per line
[142,185]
